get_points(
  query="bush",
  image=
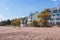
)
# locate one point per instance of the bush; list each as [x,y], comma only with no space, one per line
[16,22]
[34,23]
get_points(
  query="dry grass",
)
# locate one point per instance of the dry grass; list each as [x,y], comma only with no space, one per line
[29,33]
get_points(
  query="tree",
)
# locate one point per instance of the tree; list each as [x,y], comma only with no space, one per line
[16,22]
[44,16]
[3,23]
[13,23]
[25,21]
[34,23]
[8,22]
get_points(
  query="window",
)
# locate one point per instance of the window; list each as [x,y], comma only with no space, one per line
[52,19]
[54,11]
[57,18]
[58,10]
[53,15]
[49,11]
[58,14]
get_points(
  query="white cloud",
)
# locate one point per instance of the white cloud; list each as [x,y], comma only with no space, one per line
[55,0]
[2,17]
[6,8]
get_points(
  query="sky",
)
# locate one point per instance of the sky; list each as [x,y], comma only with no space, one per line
[11,9]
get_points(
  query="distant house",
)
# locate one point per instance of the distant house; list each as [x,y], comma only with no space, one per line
[24,21]
[32,16]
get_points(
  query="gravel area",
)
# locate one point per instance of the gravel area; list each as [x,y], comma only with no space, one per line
[29,33]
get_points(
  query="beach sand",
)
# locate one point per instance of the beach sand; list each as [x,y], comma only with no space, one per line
[29,33]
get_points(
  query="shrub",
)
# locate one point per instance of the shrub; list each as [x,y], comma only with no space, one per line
[34,23]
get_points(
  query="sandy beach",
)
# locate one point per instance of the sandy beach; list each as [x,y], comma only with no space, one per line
[29,33]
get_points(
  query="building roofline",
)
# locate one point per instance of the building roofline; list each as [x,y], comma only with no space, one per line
[54,8]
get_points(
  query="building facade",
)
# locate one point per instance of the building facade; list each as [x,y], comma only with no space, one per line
[55,16]
[32,16]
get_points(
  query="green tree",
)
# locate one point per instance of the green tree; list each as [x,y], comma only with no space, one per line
[16,22]
[34,23]
[3,23]
[13,23]
[8,22]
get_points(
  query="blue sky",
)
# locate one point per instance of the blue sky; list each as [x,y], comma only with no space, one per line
[10,9]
